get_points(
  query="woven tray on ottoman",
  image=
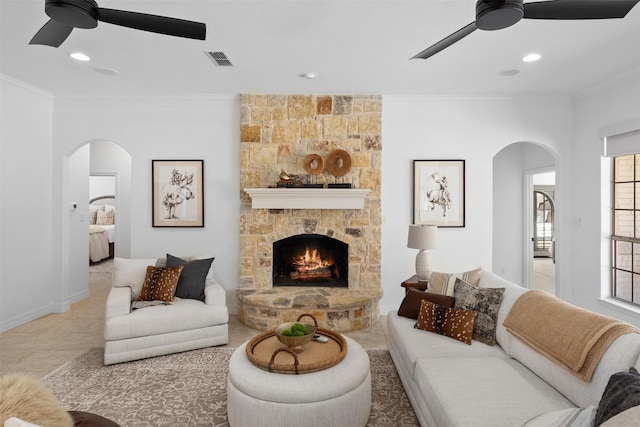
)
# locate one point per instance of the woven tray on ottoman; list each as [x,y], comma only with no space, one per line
[339,395]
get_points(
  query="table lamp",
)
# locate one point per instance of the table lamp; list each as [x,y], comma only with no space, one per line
[423,237]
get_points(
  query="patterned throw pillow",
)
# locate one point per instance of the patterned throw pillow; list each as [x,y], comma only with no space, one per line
[160,284]
[104,218]
[443,283]
[410,306]
[451,322]
[486,303]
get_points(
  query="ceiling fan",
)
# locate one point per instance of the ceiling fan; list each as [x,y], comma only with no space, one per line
[499,14]
[69,14]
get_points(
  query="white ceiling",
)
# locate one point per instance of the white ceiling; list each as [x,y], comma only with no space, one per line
[356,46]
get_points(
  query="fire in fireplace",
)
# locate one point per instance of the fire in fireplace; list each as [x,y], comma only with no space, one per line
[310,260]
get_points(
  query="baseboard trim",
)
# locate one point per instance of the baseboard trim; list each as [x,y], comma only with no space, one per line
[23,318]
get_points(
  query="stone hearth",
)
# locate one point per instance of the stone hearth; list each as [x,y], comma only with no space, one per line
[338,309]
[277,132]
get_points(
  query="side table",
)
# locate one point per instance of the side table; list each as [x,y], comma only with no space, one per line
[413,283]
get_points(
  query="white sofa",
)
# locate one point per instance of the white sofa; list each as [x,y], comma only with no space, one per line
[185,325]
[450,383]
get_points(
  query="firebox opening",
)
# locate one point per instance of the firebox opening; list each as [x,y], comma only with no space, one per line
[310,260]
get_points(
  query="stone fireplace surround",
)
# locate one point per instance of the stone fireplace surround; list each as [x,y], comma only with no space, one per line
[276,133]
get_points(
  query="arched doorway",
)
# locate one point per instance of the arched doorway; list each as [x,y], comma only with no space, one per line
[513,209]
[97,157]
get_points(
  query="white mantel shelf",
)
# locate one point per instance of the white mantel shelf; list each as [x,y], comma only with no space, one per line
[307,198]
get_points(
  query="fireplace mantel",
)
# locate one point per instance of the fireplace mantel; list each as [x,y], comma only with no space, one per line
[307,198]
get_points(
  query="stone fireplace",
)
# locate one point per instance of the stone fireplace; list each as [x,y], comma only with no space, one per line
[322,259]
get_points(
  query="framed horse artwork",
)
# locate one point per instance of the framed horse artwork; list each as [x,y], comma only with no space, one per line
[438,192]
[177,193]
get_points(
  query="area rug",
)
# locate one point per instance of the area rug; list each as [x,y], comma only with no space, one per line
[189,389]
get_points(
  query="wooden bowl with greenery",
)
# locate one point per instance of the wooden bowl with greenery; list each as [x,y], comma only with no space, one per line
[295,334]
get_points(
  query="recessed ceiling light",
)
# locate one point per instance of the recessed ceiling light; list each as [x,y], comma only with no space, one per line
[310,75]
[532,57]
[78,56]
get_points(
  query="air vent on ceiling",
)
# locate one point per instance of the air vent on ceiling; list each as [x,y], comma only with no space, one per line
[219,58]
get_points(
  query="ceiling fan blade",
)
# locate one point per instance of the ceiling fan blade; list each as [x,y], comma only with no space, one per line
[154,23]
[51,34]
[446,42]
[578,9]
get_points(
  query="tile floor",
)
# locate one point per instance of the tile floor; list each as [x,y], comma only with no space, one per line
[41,346]
[544,275]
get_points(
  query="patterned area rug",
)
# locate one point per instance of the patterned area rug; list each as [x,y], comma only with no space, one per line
[189,389]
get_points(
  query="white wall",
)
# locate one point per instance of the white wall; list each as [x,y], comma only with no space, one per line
[597,109]
[78,220]
[204,127]
[101,185]
[472,129]
[207,128]
[25,206]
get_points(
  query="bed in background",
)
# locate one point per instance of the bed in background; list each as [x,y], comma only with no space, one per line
[102,229]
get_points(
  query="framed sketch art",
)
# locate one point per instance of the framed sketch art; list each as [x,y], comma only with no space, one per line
[438,192]
[177,193]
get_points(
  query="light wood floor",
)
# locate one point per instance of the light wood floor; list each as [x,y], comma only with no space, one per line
[43,345]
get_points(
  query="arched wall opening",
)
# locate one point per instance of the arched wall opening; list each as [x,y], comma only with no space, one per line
[513,169]
[99,157]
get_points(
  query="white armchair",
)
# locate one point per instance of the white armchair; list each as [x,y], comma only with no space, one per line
[187,324]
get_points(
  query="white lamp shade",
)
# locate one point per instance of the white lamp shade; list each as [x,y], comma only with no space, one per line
[423,237]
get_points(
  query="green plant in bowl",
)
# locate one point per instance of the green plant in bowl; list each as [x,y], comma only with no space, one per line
[295,334]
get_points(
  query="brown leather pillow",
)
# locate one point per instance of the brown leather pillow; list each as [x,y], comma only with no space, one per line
[410,306]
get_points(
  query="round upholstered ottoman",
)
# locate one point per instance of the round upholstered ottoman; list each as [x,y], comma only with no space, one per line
[337,396]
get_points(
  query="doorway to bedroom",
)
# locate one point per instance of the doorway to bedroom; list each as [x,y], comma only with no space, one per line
[102,216]
[93,157]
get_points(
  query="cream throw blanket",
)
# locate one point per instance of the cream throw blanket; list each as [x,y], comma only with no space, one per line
[570,336]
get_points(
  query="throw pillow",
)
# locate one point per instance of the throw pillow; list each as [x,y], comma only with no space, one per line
[160,284]
[193,276]
[93,213]
[621,393]
[162,262]
[131,273]
[26,398]
[451,322]
[443,283]
[410,306]
[104,218]
[485,302]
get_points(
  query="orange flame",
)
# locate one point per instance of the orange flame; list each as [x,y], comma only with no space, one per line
[310,260]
